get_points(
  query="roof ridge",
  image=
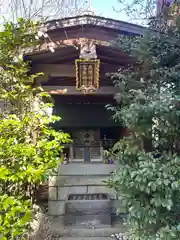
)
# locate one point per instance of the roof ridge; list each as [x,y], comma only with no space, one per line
[95,20]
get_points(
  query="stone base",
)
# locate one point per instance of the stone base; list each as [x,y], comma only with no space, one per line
[88,213]
[81,178]
[77,179]
[88,221]
[75,232]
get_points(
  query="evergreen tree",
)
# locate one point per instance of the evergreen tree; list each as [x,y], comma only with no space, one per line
[148,105]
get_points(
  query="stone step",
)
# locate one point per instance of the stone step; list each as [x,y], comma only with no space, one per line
[86,233]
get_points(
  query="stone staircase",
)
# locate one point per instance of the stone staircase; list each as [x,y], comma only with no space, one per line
[81,178]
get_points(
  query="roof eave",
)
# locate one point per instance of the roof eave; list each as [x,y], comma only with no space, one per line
[112,24]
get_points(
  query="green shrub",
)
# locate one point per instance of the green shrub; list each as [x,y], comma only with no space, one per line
[29,147]
[148,180]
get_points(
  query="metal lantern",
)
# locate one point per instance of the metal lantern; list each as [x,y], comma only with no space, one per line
[87,75]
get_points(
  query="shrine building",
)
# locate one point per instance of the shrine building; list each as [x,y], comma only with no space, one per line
[75,74]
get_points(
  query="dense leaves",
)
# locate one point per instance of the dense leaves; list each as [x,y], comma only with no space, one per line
[148,180]
[29,147]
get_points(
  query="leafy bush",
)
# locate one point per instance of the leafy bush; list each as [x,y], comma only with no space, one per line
[29,147]
[148,179]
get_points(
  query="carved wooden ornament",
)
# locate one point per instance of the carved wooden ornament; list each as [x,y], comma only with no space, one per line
[87,68]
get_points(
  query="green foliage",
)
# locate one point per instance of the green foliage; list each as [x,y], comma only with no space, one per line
[29,147]
[15,216]
[148,180]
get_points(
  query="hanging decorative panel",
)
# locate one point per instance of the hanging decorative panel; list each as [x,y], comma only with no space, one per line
[87,75]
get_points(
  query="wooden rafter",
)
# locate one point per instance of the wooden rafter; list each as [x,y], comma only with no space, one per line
[71,90]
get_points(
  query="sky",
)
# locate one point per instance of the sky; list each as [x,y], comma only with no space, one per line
[113,9]
[101,7]
[105,8]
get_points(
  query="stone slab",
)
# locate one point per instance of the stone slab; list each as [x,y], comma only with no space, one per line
[115,205]
[76,180]
[56,208]
[85,169]
[88,221]
[64,191]
[84,232]
[52,193]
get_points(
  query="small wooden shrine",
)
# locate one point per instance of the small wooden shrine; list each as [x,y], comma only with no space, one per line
[75,74]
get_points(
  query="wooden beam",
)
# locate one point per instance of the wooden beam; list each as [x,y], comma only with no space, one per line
[64,70]
[61,53]
[71,90]
[56,69]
